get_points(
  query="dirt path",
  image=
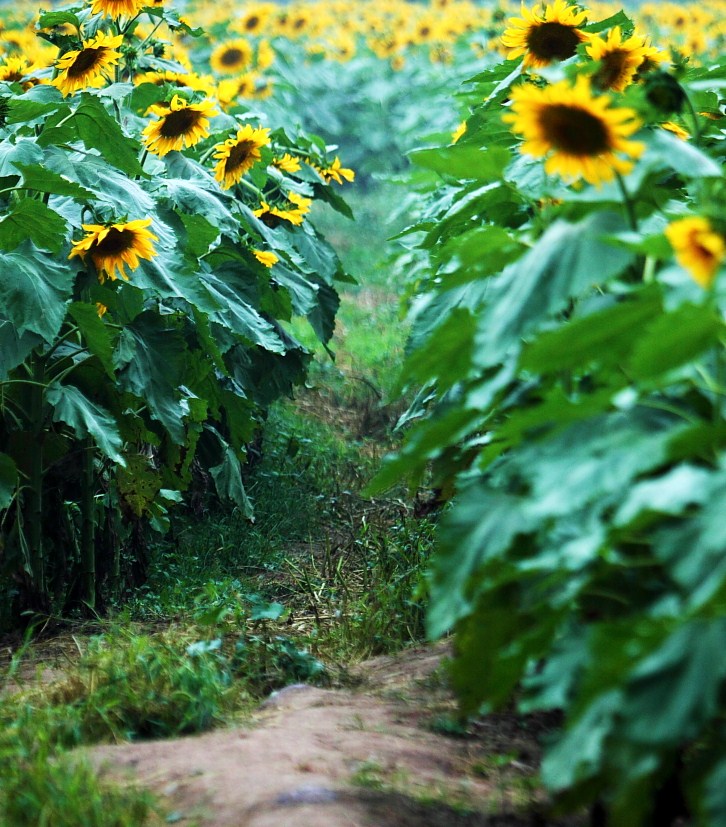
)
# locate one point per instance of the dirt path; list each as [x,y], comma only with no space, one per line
[368,757]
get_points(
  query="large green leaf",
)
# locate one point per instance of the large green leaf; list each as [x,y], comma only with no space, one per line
[566,261]
[34,291]
[96,333]
[150,359]
[31,219]
[97,129]
[227,476]
[14,348]
[86,417]
[41,179]
[464,161]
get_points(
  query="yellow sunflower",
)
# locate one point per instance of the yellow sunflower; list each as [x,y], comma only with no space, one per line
[228,58]
[272,216]
[619,59]
[236,155]
[698,247]
[115,8]
[581,135]
[546,34]
[112,247]
[179,125]
[18,70]
[89,65]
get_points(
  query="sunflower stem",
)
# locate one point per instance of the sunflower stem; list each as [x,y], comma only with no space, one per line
[696,124]
[627,202]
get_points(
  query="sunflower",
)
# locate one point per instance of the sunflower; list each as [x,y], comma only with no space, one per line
[272,216]
[18,70]
[545,36]
[581,135]
[228,58]
[179,125]
[697,247]
[619,59]
[236,155]
[115,8]
[113,246]
[87,66]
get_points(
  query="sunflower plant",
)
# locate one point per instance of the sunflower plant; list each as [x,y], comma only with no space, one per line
[568,357]
[153,249]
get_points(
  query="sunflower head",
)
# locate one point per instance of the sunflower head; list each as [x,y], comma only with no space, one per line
[578,132]
[698,247]
[545,34]
[237,155]
[179,125]
[113,247]
[230,57]
[116,8]
[88,66]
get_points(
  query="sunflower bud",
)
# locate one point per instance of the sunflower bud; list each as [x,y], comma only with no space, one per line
[663,92]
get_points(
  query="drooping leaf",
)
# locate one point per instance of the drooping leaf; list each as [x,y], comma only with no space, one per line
[464,161]
[34,291]
[86,418]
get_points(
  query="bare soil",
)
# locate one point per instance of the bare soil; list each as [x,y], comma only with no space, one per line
[376,755]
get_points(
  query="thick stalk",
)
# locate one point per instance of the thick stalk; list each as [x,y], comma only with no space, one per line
[88,523]
[34,513]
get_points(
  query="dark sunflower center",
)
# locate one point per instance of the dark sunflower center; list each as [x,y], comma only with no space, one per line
[553,41]
[179,122]
[87,59]
[13,76]
[573,130]
[238,155]
[252,23]
[115,243]
[270,220]
[612,66]
[299,23]
[232,57]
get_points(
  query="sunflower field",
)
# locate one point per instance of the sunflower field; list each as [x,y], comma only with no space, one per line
[564,277]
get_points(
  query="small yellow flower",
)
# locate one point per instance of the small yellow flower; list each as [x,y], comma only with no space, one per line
[113,247]
[458,132]
[698,247]
[336,172]
[287,163]
[676,129]
[266,257]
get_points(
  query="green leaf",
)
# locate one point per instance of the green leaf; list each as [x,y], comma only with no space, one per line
[675,339]
[603,337]
[715,795]
[152,369]
[31,219]
[34,290]
[227,478]
[97,129]
[566,261]
[665,149]
[446,357]
[199,234]
[49,19]
[96,333]
[41,179]
[85,417]
[464,161]
[14,348]
[674,691]
[8,481]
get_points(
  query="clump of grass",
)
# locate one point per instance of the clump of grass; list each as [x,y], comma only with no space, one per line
[61,793]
